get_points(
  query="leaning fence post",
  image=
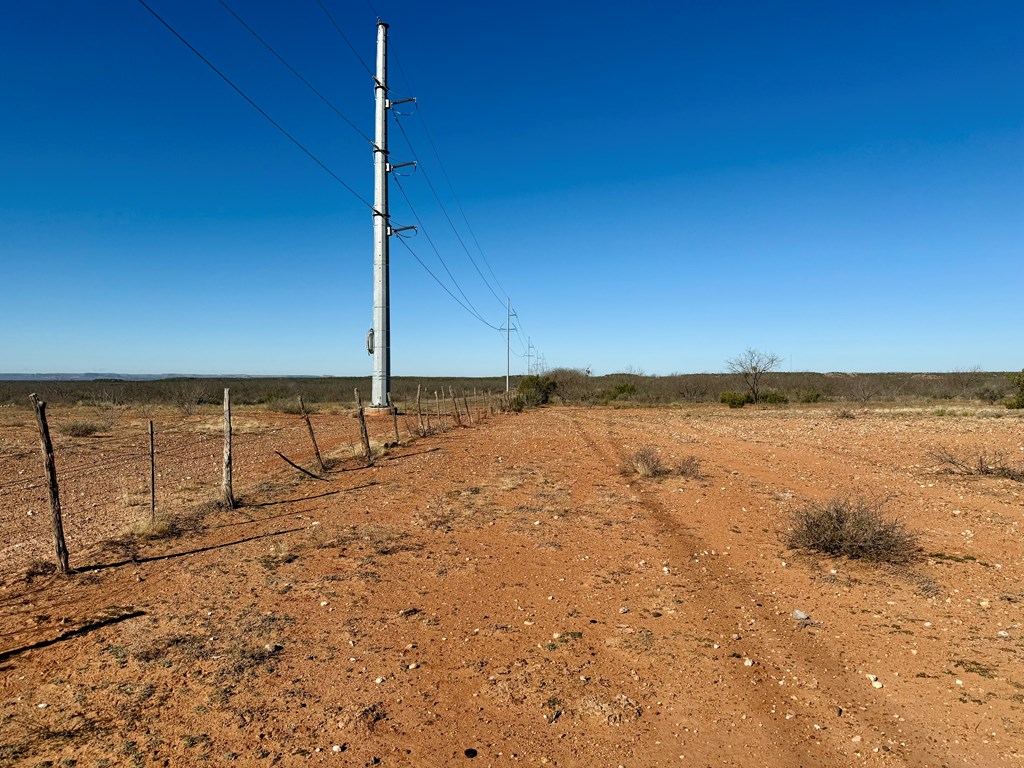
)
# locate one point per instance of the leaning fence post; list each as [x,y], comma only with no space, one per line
[51,483]
[455,404]
[394,419]
[312,437]
[362,430]
[226,490]
[440,421]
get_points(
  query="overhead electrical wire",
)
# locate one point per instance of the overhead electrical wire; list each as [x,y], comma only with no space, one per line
[443,286]
[468,305]
[257,107]
[374,10]
[437,197]
[345,38]
[465,302]
[444,210]
[444,172]
[292,69]
[430,240]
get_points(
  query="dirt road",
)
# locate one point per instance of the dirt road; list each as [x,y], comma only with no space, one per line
[506,594]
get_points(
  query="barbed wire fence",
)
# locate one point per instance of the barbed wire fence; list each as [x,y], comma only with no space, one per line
[117,483]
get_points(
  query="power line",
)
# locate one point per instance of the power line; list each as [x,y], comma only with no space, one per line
[519,335]
[468,304]
[292,69]
[345,38]
[257,107]
[437,197]
[445,287]
[370,6]
[434,247]
[444,172]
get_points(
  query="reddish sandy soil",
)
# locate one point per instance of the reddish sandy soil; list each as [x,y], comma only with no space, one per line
[504,594]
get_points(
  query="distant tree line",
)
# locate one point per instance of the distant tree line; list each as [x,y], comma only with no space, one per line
[565,385]
[190,393]
[759,384]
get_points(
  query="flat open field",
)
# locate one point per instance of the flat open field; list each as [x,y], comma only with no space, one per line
[506,594]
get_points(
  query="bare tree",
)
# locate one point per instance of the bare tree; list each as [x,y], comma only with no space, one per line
[187,395]
[965,379]
[752,365]
[865,387]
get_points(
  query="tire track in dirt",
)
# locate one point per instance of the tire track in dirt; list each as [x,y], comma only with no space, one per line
[505,591]
[717,590]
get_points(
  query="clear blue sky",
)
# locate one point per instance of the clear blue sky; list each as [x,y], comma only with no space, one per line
[656,185]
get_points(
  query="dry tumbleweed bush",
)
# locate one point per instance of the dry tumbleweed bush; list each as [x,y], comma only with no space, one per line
[852,528]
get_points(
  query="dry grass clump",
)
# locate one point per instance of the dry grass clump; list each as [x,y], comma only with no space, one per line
[188,646]
[39,567]
[845,413]
[158,527]
[689,468]
[647,463]
[249,656]
[852,528]
[81,428]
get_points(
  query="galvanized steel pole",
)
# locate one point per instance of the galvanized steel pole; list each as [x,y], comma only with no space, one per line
[508,337]
[381,389]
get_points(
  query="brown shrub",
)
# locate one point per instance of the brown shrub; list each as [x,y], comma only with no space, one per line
[852,528]
[689,467]
[646,463]
[81,428]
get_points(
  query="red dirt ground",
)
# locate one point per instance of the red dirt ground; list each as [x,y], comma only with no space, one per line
[505,594]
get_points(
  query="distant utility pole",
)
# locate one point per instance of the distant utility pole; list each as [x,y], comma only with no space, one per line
[508,341]
[529,354]
[381,333]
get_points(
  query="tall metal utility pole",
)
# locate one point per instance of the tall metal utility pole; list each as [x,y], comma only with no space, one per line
[529,354]
[508,339]
[381,390]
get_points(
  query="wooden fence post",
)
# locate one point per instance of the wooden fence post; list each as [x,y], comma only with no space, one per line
[469,411]
[152,473]
[312,437]
[394,419]
[440,421]
[363,434]
[455,405]
[419,411]
[226,485]
[51,483]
